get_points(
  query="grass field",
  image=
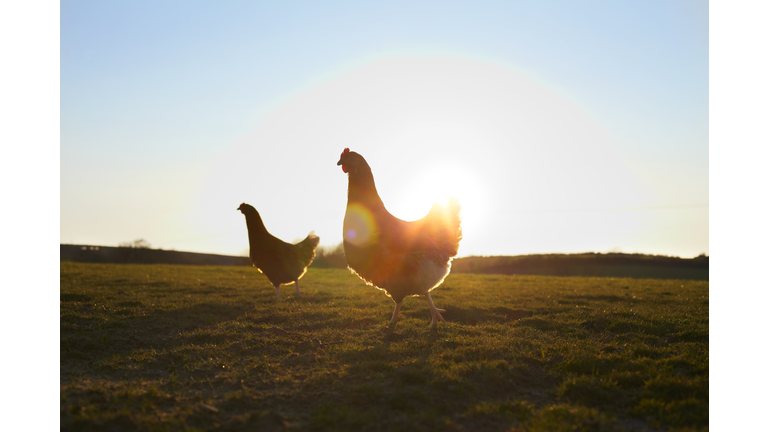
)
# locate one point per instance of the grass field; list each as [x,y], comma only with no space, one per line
[164,347]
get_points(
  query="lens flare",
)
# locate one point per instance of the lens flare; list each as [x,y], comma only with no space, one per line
[360,227]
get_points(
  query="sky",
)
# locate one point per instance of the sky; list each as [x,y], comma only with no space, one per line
[561,126]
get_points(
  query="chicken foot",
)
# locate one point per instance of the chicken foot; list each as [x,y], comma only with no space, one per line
[435,311]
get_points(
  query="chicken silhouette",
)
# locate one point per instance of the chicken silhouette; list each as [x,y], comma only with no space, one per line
[399,257]
[281,262]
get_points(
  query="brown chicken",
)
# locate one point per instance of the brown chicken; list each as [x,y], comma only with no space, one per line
[402,258]
[281,262]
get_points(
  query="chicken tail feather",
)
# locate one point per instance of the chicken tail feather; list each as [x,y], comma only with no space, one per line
[445,225]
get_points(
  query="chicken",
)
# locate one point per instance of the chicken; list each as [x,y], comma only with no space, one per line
[281,262]
[401,258]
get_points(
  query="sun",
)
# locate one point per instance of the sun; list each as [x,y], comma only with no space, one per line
[437,183]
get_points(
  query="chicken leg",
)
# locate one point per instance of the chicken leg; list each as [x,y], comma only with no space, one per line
[435,311]
[396,313]
[298,291]
[278,291]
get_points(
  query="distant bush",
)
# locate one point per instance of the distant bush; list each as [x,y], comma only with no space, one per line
[136,244]
[330,257]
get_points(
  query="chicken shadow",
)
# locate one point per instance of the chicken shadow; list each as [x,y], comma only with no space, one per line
[473,316]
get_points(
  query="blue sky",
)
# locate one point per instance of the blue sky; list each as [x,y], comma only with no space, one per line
[173,113]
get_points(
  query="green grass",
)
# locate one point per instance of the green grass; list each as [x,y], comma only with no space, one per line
[177,348]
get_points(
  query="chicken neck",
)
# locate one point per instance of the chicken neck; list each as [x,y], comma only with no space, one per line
[362,190]
[256,228]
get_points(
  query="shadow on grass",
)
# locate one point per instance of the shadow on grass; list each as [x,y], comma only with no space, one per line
[93,335]
[75,298]
[119,332]
[473,316]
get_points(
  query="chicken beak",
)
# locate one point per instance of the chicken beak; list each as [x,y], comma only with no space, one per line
[343,168]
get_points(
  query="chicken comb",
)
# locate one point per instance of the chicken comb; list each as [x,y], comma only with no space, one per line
[346,150]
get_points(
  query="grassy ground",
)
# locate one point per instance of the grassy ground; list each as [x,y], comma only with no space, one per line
[163,347]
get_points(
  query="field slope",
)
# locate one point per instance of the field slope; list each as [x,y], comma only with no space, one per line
[172,347]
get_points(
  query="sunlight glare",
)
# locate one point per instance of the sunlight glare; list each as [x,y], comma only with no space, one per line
[430,128]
